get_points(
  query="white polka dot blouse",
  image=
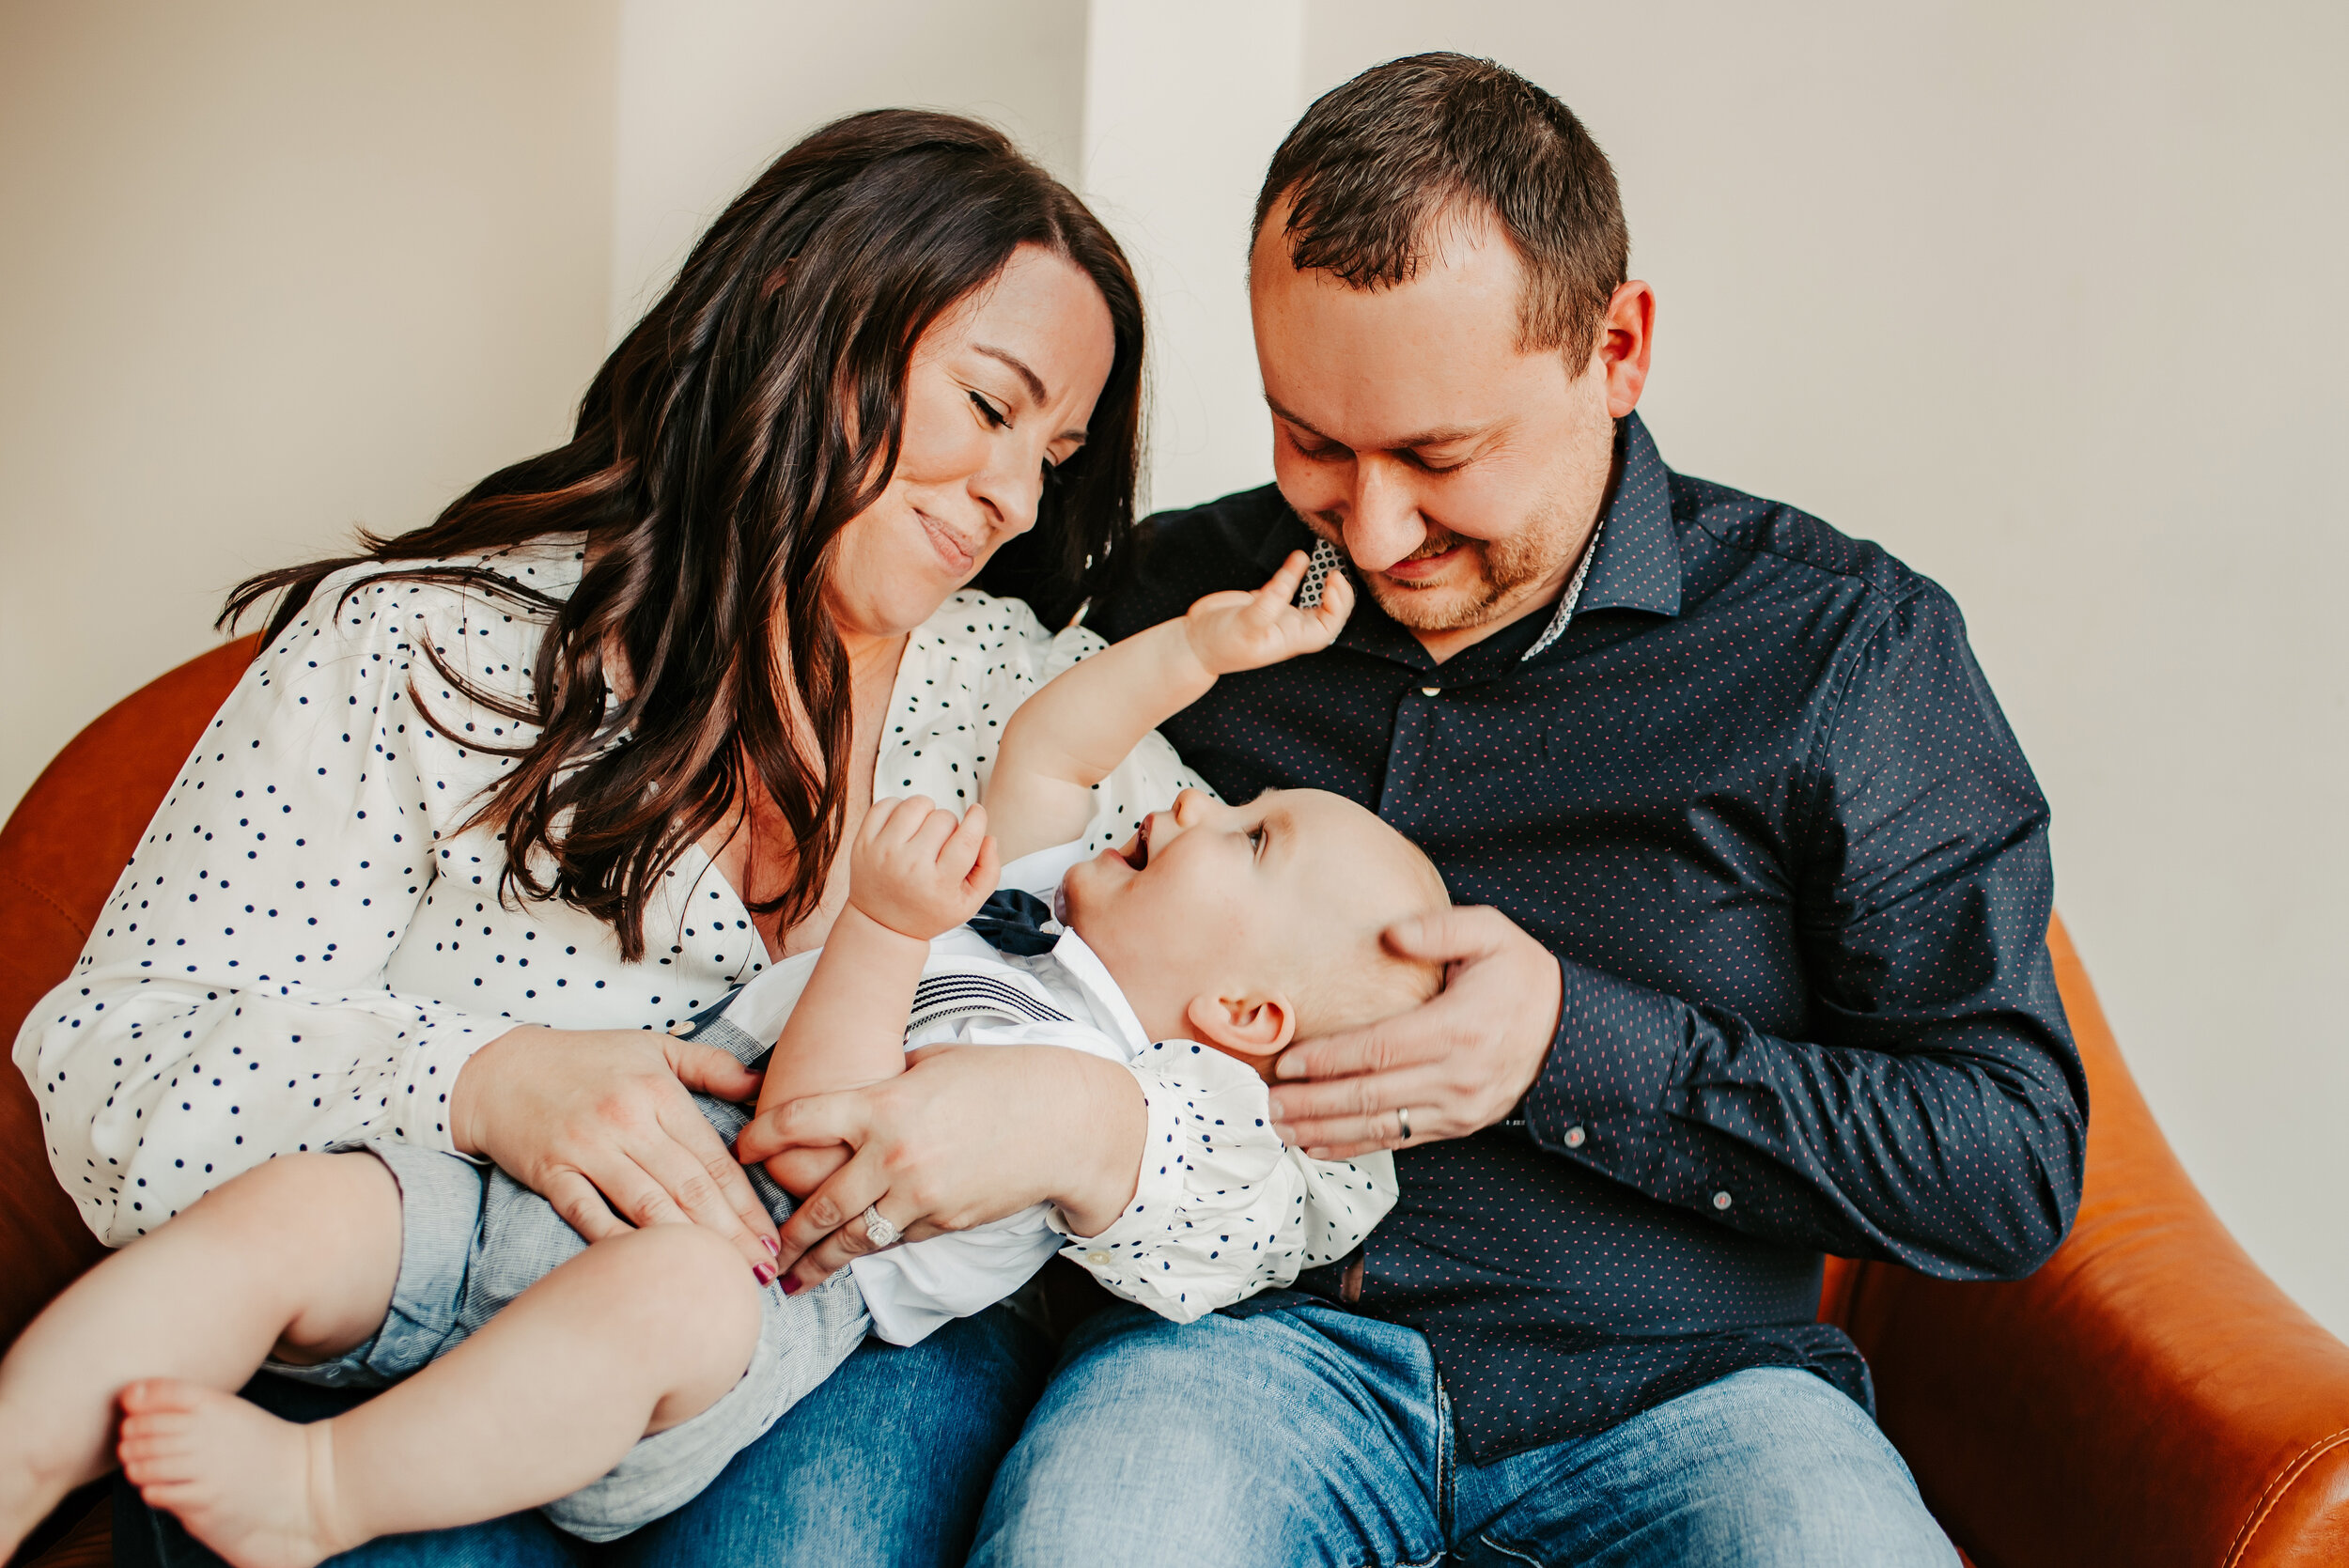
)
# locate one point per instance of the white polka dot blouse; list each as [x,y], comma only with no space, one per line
[309,941]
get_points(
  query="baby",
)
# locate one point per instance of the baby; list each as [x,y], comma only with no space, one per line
[608,1384]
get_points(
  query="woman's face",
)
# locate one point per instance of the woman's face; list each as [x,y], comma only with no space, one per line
[999,389]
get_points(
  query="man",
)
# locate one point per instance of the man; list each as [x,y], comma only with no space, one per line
[1762,972]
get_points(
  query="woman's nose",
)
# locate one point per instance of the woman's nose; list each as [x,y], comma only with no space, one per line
[1011,489]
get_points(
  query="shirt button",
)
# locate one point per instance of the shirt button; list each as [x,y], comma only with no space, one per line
[1097,1258]
[1574,1138]
[1429,690]
[1720,1200]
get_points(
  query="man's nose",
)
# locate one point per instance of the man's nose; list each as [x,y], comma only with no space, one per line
[1383,525]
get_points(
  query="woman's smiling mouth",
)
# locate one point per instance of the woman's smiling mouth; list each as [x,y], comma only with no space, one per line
[959,556]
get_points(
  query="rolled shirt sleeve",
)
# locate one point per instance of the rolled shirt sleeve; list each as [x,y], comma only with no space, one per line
[1221,1208]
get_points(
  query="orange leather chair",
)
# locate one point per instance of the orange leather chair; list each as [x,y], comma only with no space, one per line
[2149,1397]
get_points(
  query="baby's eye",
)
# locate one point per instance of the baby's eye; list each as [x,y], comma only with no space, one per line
[995,417]
[1256,840]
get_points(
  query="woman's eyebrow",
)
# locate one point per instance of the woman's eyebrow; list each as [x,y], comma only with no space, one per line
[1034,382]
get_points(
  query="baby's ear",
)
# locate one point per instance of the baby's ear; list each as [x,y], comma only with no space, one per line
[1245,1026]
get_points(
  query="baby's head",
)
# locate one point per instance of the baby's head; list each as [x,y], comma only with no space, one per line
[1248,926]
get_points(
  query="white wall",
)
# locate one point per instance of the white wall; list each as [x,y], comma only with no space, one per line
[2050,300]
[1179,127]
[271,270]
[711,90]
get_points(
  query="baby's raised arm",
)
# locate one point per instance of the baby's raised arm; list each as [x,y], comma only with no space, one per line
[1073,733]
[913,873]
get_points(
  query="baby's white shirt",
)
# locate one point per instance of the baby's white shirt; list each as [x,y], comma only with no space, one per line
[1223,1208]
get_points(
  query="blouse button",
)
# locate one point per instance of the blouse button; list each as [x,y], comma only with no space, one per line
[1429,690]
[1574,1138]
[1097,1258]
[1720,1200]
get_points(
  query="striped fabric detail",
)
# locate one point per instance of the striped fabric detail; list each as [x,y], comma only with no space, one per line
[959,992]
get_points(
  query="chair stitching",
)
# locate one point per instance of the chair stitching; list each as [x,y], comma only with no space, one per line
[66,915]
[2275,1490]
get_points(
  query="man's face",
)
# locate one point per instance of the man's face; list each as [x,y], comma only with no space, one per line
[1462,475]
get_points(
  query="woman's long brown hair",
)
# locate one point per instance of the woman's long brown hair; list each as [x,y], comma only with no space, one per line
[718,452]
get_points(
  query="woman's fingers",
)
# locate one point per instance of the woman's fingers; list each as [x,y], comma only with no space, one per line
[804,1123]
[828,1209]
[582,1208]
[694,1167]
[710,1071]
[834,1254]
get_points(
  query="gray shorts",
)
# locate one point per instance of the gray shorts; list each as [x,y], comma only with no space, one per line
[473,1238]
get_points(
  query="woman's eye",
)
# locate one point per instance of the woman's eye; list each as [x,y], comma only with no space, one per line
[989,411]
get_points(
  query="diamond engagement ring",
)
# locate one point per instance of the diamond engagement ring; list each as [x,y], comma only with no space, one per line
[1403,1120]
[877,1230]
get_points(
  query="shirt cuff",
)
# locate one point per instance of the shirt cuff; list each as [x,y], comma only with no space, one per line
[1614,1059]
[434,1045]
[1217,1208]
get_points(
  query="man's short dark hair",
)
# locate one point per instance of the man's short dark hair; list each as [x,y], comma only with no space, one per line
[1377,164]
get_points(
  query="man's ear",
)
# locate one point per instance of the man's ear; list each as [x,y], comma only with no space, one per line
[1245,1026]
[1627,338]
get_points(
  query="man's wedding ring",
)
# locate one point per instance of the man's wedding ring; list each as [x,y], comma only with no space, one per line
[1403,1120]
[877,1230]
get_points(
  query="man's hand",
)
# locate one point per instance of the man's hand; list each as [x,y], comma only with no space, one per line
[1460,1062]
[1236,631]
[917,870]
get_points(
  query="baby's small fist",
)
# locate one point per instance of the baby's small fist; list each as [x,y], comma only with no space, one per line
[917,870]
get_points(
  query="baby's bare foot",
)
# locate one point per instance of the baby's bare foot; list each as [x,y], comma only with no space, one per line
[253,1488]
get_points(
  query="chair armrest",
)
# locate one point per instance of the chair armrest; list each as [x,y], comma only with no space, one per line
[2148,1397]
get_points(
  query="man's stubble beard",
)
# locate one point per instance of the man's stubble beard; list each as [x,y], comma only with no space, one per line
[1542,548]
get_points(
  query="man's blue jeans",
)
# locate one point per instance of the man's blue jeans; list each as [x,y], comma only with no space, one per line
[885,1464]
[1308,1434]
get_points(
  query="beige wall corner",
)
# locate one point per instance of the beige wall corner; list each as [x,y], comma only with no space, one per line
[272,271]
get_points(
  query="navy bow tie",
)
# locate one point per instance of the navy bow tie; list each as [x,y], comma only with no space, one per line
[1012,921]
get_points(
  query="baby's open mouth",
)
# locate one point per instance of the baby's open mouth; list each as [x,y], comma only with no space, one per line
[1136,850]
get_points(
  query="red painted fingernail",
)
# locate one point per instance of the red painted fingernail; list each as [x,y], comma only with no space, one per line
[764,1274]
[774,1248]
[791,1286]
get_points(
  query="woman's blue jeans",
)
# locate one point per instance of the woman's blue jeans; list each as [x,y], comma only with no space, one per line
[886,1463]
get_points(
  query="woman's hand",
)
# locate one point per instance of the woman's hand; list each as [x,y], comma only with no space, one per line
[965,1135]
[600,1124]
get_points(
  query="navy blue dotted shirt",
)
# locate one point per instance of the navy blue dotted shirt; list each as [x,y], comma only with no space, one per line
[1762,805]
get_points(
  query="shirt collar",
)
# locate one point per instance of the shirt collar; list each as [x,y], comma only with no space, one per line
[1109,1006]
[1633,562]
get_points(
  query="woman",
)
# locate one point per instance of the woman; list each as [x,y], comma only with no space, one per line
[505,798]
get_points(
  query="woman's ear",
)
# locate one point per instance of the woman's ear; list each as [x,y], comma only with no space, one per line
[1245,1026]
